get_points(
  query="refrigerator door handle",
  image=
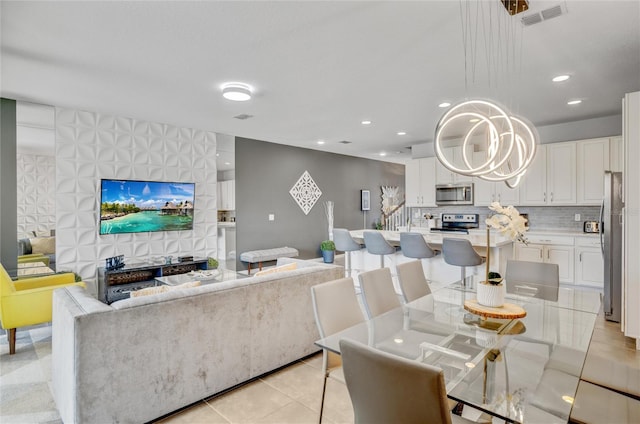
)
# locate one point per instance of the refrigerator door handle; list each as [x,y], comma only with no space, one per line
[602,228]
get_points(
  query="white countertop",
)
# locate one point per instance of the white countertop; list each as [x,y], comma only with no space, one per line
[478,238]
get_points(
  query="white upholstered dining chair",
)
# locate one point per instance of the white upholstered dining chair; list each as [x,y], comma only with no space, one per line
[413,283]
[535,279]
[378,294]
[385,388]
[335,307]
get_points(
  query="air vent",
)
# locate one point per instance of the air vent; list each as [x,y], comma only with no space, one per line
[344,142]
[532,19]
[552,12]
[243,116]
[546,14]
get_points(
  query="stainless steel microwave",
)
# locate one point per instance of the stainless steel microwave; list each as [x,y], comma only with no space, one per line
[454,194]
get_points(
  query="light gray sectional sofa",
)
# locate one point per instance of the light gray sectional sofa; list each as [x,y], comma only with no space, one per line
[141,358]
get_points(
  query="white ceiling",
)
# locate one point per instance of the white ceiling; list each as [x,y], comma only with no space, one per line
[318,68]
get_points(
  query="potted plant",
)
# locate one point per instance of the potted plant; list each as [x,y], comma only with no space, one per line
[212,263]
[491,292]
[328,248]
[510,223]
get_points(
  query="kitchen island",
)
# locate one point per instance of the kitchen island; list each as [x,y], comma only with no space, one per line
[435,268]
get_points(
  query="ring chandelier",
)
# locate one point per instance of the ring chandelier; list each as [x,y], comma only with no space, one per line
[507,143]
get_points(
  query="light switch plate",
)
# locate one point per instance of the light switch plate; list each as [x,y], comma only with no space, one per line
[576,217]
[272,217]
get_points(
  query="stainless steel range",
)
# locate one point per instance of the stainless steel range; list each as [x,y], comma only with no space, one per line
[458,223]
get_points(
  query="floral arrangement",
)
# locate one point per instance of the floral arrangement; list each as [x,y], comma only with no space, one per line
[510,223]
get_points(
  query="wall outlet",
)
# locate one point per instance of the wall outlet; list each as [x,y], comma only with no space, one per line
[576,217]
[272,217]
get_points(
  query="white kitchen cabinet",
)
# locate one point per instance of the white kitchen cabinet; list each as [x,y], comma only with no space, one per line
[533,186]
[589,266]
[592,160]
[554,249]
[445,176]
[551,177]
[226,192]
[561,174]
[486,192]
[420,184]
[616,154]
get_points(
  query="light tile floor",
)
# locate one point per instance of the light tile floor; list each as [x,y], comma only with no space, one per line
[291,395]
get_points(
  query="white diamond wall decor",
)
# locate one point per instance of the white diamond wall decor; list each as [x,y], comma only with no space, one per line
[305,192]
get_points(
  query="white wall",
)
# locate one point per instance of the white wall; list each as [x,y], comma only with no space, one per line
[36,194]
[91,146]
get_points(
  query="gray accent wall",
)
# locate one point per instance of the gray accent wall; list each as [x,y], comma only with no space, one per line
[8,181]
[265,172]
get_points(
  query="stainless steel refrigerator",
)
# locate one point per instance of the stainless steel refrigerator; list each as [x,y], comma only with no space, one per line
[611,244]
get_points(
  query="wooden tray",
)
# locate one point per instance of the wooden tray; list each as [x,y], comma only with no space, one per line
[506,311]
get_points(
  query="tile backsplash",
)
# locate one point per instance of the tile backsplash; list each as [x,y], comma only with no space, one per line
[540,217]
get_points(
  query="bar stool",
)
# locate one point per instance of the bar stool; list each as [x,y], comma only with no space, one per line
[345,243]
[377,245]
[414,246]
[460,252]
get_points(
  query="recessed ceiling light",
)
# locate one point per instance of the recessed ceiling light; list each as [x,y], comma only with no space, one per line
[382,154]
[561,78]
[366,122]
[227,163]
[574,102]
[444,104]
[320,142]
[402,133]
[218,154]
[236,91]
[474,120]
[398,340]
[568,399]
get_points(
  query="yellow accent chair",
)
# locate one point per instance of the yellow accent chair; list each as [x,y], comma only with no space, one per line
[28,301]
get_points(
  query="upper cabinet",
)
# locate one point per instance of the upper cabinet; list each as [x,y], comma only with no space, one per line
[551,177]
[561,173]
[533,186]
[420,184]
[445,176]
[593,160]
[616,154]
[226,191]
[485,192]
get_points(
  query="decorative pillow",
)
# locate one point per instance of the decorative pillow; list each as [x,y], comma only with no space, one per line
[43,245]
[163,289]
[281,268]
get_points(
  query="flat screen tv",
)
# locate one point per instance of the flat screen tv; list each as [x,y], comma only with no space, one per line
[128,206]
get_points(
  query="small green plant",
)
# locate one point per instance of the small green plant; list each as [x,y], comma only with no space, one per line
[495,278]
[327,245]
[212,263]
[377,225]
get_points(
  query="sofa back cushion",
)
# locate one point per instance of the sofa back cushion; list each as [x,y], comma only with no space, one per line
[163,289]
[43,245]
[281,268]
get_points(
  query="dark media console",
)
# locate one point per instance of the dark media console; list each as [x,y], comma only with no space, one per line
[116,284]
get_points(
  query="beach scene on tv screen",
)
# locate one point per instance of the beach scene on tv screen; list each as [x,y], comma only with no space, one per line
[143,206]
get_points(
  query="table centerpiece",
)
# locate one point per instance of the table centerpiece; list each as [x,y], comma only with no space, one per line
[510,223]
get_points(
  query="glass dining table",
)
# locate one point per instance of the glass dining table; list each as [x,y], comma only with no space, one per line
[518,370]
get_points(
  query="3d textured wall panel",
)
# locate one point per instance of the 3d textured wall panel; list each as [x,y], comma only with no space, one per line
[91,146]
